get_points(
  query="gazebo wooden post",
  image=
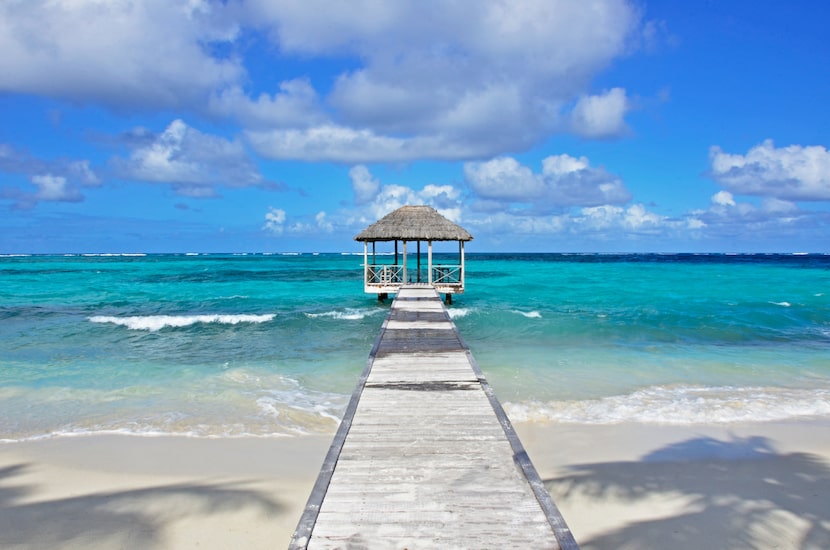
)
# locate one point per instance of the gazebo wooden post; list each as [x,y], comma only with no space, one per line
[429,262]
[419,262]
[366,263]
[404,263]
[463,268]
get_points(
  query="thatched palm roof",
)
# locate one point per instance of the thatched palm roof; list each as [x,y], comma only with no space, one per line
[414,223]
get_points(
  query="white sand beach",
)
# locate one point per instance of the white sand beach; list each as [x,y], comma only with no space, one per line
[100,492]
[764,485]
[635,486]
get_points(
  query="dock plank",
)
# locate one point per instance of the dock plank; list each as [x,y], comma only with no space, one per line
[425,456]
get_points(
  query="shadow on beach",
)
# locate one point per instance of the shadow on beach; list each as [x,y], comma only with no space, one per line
[135,518]
[738,493]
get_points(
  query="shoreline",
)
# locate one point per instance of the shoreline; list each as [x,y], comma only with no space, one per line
[754,485]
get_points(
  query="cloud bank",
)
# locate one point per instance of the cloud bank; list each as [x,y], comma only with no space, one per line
[572,205]
[435,80]
[439,80]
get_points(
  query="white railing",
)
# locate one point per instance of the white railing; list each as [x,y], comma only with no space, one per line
[384,274]
[447,275]
[378,275]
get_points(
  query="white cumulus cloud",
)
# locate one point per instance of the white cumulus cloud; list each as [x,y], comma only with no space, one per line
[410,79]
[364,185]
[632,220]
[119,53]
[330,142]
[723,198]
[274,221]
[296,104]
[194,163]
[794,173]
[378,199]
[564,181]
[441,80]
[730,219]
[503,178]
[55,180]
[323,222]
[601,116]
[55,188]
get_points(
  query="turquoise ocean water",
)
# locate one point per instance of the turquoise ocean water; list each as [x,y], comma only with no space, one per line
[268,345]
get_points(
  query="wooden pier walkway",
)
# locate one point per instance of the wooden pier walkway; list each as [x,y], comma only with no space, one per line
[425,456]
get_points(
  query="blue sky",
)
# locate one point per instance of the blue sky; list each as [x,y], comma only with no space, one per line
[546,125]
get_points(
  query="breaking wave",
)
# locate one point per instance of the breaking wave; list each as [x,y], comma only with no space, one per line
[681,405]
[528,314]
[158,322]
[348,314]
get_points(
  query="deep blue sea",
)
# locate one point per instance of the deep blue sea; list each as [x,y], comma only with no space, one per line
[268,345]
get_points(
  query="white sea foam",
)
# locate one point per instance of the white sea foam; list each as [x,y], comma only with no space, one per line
[199,432]
[348,314]
[158,322]
[280,405]
[681,405]
[459,312]
[528,314]
[782,304]
[298,411]
[114,255]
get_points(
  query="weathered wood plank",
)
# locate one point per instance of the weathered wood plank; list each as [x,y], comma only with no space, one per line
[426,457]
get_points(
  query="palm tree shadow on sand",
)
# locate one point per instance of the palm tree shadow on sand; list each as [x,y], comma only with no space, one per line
[740,493]
[124,519]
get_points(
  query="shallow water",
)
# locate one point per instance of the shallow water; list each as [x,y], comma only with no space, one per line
[223,345]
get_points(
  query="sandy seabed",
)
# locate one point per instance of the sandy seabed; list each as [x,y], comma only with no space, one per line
[627,486]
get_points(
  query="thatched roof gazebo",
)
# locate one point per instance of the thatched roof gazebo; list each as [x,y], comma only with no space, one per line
[407,224]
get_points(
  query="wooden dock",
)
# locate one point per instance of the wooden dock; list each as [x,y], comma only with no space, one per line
[425,456]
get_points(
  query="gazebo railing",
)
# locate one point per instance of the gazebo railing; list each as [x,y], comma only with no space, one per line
[384,274]
[447,275]
[393,275]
